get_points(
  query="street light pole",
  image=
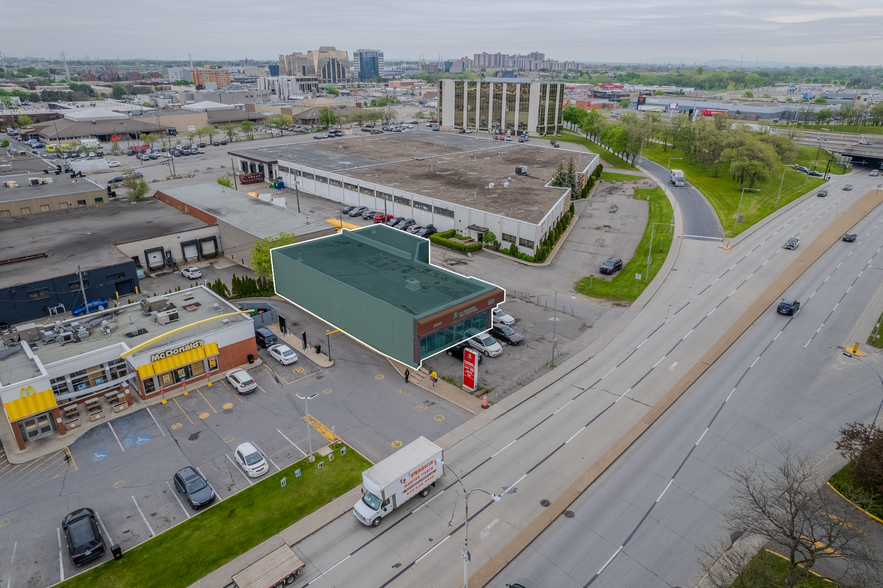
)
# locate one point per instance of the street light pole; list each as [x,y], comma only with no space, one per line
[297,194]
[555,324]
[670,159]
[780,189]
[740,207]
[306,400]
[650,249]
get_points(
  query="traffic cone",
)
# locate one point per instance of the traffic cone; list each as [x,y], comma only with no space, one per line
[484,403]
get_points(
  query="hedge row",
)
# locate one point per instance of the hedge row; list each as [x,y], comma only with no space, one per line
[590,183]
[443,240]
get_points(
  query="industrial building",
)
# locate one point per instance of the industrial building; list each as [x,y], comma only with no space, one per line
[516,104]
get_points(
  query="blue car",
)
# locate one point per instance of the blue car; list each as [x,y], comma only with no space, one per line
[91,306]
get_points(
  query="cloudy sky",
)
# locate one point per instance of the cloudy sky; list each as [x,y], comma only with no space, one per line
[836,32]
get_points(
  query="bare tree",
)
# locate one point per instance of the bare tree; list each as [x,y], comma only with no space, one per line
[789,508]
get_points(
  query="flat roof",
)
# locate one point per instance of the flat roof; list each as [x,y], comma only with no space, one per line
[250,214]
[23,164]
[369,261]
[60,185]
[82,236]
[193,304]
[457,168]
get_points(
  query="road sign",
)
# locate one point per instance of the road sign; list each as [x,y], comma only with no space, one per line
[470,369]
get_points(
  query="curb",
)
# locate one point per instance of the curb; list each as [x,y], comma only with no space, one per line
[854,504]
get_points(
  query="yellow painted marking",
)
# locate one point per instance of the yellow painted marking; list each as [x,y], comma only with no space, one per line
[396,443]
[854,504]
[24,471]
[72,458]
[810,571]
[229,439]
[300,378]
[58,455]
[204,415]
[320,428]
[439,417]
[184,411]
[3,523]
[176,426]
[380,377]
[326,391]
[206,401]
[119,484]
[298,370]
[399,391]
[227,405]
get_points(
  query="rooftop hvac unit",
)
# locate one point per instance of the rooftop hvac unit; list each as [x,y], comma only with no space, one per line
[412,284]
[521,170]
[167,316]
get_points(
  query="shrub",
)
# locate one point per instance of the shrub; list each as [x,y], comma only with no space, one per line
[455,245]
[489,237]
[447,234]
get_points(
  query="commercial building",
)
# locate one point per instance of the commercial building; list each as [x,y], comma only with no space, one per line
[180,74]
[289,87]
[211,77]
[328,64]
[21,195]
[59,378]
[367,64]
[376,284]
[516,104]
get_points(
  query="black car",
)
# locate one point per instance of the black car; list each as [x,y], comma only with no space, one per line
[801,168]
[457,351]
[426,231]
[394,221]
[83,536]
[850,237]
[787,306]
[403,225]
[554,144]
[507,334]
[191,484]
[611,265]
[224,142]
[822,193]
[815,174]
[216,143]
[130,153]
[347,209]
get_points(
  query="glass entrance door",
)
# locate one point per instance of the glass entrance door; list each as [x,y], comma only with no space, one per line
[36,426]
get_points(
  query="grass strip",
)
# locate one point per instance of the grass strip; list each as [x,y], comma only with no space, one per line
[609,158]
[815,156]
[769,569]
[863,495]
[723,191]
[624,285]
[875,339]
[198,546]
[612,177]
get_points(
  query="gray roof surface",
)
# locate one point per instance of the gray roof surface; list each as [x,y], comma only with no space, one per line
[23,164]
[61,185]
[245,212]
[351,259]
[82,236]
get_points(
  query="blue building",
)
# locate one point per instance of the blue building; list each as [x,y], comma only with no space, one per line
[367,64]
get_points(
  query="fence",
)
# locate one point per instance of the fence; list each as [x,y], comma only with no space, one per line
[535,299]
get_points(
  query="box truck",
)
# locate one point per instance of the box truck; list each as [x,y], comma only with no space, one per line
[390,483]
[676,177]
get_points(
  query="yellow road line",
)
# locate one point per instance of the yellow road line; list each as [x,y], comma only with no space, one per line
[854,504]
[301,378]
[6,466]
[810,571]
[321,429]
[33,463]
[206,401]
[72,458]
[182,410]
[60,455]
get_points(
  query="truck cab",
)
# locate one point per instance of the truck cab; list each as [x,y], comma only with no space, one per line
[676,177]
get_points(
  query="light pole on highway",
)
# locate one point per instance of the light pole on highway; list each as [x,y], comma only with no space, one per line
[735,224]
[465,553]
[671,226]
[555,324]
[670,159]
[306,400]
[881,383]
[780,188]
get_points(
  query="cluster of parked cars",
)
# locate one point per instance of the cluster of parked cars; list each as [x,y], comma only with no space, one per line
[331,133]
[488,343]
[396,222]
[810,172]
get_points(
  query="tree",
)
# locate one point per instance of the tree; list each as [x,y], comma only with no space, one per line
[278,121]
[326,117]
[150,139]
[766,96]
[624,103]
[190,136]
[4,143]
[420,116]
[24,121]
[247,127]
[788,507]
[659,93]
[863,447]
[748,94]
[225,181]
[389,113]
[137,187]
[824,115]
[333,91]
[208,131]
[260,252]
[820,100]
[118,91]
[230,129]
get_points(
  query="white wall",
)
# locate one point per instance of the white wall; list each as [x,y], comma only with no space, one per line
[173,241]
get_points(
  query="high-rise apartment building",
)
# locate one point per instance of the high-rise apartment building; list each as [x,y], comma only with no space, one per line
[367,64]
[212,74]
[328,64]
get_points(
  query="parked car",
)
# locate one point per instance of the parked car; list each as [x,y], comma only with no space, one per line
[115,180]
[875,173]
[850,237]
[500,316]
[370,214]
[848,187]
[822,193]
[357,211]
[265,337]
[865,142]
[347,209]
[192,485]
[83,536]
[612,265]
[788,306]
[426,231]
[224,142]
[457,351]
[403,225]
[321,136]
[486,344]
[216,143]
[113,164]
[815,174]
[792,243]
[507,334]
[394,221]
[412,228]
[241,381]
[801,169]
[382,218]
[283,353]
[251,460]
[91,306]
[191,272]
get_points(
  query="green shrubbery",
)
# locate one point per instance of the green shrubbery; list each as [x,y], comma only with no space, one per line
[590,183]
[444,239]
[245,287]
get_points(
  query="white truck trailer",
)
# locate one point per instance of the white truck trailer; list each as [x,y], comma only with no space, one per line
[390,483]
[676,177]
[275,569]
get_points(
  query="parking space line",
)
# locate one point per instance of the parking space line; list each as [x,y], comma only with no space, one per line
[155,421]
[267,456]
[183,411]
[152,534]
[58,455]
[178,500]
[115,436]
[292,442]
[71,455]
[238,469]
[286,382]
[60,554]
[11,564]
[218,494]
[206,401]
[104,527]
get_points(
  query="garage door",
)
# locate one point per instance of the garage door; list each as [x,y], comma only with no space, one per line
[155,259]
[190,251]
[208,247]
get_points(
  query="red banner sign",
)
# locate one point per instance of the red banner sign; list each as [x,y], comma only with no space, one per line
[470,369]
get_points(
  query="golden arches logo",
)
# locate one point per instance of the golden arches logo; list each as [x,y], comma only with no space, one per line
[26,391]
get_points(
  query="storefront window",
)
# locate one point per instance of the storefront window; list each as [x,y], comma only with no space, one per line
[511,92]
[443,339]
[471,94]
[483,105]
[149,386]
[523,106]
[212,364]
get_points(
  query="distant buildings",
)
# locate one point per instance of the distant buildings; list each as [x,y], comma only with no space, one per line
[210,77]
[328,64]
[517,104]
[367,64]
[179,74]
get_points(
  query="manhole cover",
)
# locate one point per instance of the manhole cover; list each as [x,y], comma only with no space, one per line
[544,503]
[569,514]
[228,410]
[195,436]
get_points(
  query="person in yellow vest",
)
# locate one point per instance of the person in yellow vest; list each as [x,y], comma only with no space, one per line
[434,377]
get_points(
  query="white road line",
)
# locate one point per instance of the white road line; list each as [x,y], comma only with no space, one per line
[860,274]
[730,394]
[427,502]
[807,344]
[813,294]
[261,389]
[178,500]
[115,437]
[267,456]
[847,290]
[749,276]
[103,526]
[152,534]
[839,264]
[213,488]
[341,561]
[574,435]
[514,440]
[513,484]
[621,396]
[731,293]
[610,560]
[607,374]
[641,343]
[826,279]
[238,469]
[712,310]
[666,489]
[764,263]
[734,265]
[556,412]
[154,420]
[777,336]
[687,335]
[11,563]
[60,554]
[672,366]
[754,362]
[658,362]
[292,442]
[701,436]
[715,281]
[431,550]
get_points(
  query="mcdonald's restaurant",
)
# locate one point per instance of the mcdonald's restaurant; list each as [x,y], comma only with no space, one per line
[65,377]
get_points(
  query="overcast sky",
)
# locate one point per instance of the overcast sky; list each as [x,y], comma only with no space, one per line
[836,32]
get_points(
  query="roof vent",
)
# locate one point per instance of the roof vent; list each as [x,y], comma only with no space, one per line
[412,284]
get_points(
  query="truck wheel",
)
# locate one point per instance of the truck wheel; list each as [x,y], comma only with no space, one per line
[375,522]
[425,492]
[291,578]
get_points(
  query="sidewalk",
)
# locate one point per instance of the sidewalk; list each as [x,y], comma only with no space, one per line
[320,359]
[442,389]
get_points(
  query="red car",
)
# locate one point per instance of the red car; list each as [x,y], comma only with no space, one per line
[382,218]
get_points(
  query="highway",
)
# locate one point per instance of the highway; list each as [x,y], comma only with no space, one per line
[542,439]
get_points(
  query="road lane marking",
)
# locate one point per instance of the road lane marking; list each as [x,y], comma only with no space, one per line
[178,500]
[514,440]
[60,554]
[267,455]
[115,436]
[155,421]
[152,534]
[609,560]
[206,401]
[666,490]
[292,442]
[103,526]
[183,411]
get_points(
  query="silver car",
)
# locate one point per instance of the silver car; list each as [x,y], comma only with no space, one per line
[791,243]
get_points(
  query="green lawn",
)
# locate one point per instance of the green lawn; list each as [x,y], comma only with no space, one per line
[624,286]
[612,177]
[766,565]
[876,341]
[723,192]
[809,156]
[185,553]
[845,129]
[610,159]
[864,496]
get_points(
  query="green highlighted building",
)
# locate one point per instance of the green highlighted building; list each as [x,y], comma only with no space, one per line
[376,284]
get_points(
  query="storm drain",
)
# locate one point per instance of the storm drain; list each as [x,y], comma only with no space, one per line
[544,503]
[569,514]
[228,410]
[194,436]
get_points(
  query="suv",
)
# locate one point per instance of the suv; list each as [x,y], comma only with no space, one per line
[611,265]
[83,536]
[822,193]
[792,243]
[265,337]
[240,380]
[787,306]
[191,484]
[848,187]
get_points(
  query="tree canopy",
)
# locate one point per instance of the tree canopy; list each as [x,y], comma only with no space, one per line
[260,252]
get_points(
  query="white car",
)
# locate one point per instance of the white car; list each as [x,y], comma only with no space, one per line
[191,272]
[486,344]
[113,163]
[500,316]
[283,353]
[240,380]
[251,460]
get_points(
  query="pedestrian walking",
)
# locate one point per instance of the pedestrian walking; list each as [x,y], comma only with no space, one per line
[407,375]
[434,377]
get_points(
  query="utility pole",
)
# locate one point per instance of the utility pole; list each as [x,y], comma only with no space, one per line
[83,289]
[66,69]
